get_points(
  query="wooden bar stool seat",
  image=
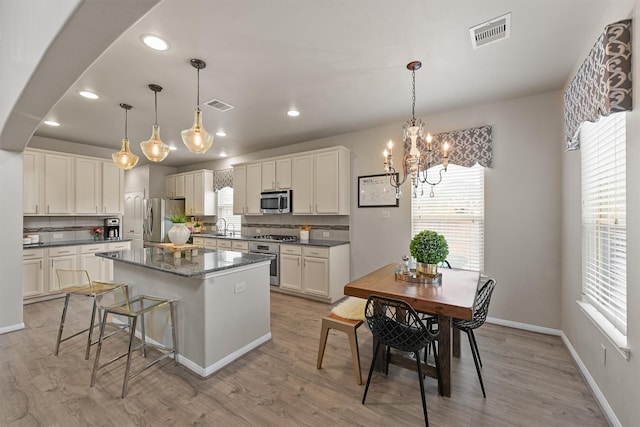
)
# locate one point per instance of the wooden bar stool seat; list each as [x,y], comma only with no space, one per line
[349,327]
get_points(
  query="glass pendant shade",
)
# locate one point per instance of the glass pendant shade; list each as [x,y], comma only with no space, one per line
[124,158]
[153,148]
[196,138]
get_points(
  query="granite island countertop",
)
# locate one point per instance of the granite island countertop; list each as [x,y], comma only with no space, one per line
[194,266]
[310,242]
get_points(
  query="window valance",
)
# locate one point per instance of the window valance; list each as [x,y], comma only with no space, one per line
[602,85]
[467,147]
[222,178]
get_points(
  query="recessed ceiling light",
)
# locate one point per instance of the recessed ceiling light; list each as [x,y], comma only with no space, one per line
[51,123]
[223,154]
[88,95]
[293,113]
[155,42]
[221,133]
[173,148]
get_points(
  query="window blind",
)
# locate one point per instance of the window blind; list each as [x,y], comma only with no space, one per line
[604,236]
[457,212]
[225,208]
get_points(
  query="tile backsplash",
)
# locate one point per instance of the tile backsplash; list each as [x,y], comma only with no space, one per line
[62,229]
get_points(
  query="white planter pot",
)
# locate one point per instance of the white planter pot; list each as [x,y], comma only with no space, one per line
[179,234]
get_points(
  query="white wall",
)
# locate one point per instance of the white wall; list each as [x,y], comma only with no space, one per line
[619,380]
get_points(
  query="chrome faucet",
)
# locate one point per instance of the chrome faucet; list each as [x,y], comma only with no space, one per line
[233,229]
[224,230]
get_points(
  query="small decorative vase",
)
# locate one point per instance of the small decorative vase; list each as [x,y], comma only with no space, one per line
[179,234]
[428,272]
[96,236]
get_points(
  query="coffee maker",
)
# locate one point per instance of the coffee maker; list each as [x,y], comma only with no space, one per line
[111,228]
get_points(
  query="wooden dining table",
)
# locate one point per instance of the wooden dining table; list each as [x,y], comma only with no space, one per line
[452,298]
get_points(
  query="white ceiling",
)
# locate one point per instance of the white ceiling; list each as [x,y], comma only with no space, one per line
[341,63]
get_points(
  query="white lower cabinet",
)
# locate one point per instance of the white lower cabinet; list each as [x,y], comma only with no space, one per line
[240,246]
[33,272]
[315,271]
[39,277]
[224,244]
[62,258]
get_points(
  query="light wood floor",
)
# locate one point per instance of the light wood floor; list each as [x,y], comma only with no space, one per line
[530,381]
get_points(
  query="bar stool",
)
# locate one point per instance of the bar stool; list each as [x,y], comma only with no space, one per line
[78,283]
[132,309]
[351,307]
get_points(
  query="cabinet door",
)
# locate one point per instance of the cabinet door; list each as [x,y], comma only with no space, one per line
[254,188]
[283,174]
[326,182]
[269,175]
[112,189]
[93,265]
[180,186]
[210,243]
[58,183]
[302,184]
[316,276]
[290,272]
[63,263]
[239,190]
[33,166]
[204,197]
[32,277]
[88,185]
[170,183]
[189,193]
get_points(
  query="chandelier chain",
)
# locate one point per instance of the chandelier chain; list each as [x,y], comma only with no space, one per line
[126,110]
[413,97]
[198,97]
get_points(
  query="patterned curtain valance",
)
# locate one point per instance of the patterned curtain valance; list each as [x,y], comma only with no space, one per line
[467,147]
[603,83]
[222,178]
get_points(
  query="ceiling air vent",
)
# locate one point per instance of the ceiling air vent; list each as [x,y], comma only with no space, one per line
[491,31]
[219,105]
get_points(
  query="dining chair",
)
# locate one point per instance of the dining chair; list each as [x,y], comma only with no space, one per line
[78,283]
[480,311]
[396,324]
[431,320]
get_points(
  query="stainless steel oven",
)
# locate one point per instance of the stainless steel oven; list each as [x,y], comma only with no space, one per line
[272,250]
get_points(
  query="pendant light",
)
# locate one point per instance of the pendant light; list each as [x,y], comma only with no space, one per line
[124,158]
[196,138]
[153,148]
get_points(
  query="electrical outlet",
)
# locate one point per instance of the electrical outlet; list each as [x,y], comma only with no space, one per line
[604,355]
[325,234]
[258,230]
[386,214]
[239,287]
[57,235]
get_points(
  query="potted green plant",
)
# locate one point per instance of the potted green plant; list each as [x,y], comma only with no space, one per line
[179,233]
[429,249]
[197,226]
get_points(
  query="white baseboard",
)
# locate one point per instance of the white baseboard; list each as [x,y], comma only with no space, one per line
[602,401]
[595,390]
[11,328]
[525,326]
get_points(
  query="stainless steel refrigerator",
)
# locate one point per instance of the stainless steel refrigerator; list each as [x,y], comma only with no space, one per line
[156,224]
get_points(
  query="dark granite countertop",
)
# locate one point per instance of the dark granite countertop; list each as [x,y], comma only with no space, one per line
[70,243]
[207,261]
[311,242]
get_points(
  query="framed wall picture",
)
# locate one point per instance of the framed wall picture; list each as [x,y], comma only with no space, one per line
[375,191]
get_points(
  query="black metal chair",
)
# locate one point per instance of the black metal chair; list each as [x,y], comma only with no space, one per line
[480,311]
[396,324]
[431,320]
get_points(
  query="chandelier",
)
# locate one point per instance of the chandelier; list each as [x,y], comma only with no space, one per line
[414,164]
[196,138]
[124,158]
[153,148]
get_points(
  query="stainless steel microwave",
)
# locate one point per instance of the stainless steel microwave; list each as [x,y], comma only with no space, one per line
[275,202]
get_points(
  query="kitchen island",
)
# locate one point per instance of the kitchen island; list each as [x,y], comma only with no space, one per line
[222,309]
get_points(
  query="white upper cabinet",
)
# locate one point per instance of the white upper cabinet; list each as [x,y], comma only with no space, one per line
[63,184]
[254,188]
[320,182]
[88,186]
[33,198]
[302,185]
[239,190]
[58,184]
[196,188]
[276,174]
[112,189]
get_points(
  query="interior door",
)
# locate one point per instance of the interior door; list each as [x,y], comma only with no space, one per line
[132,223]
